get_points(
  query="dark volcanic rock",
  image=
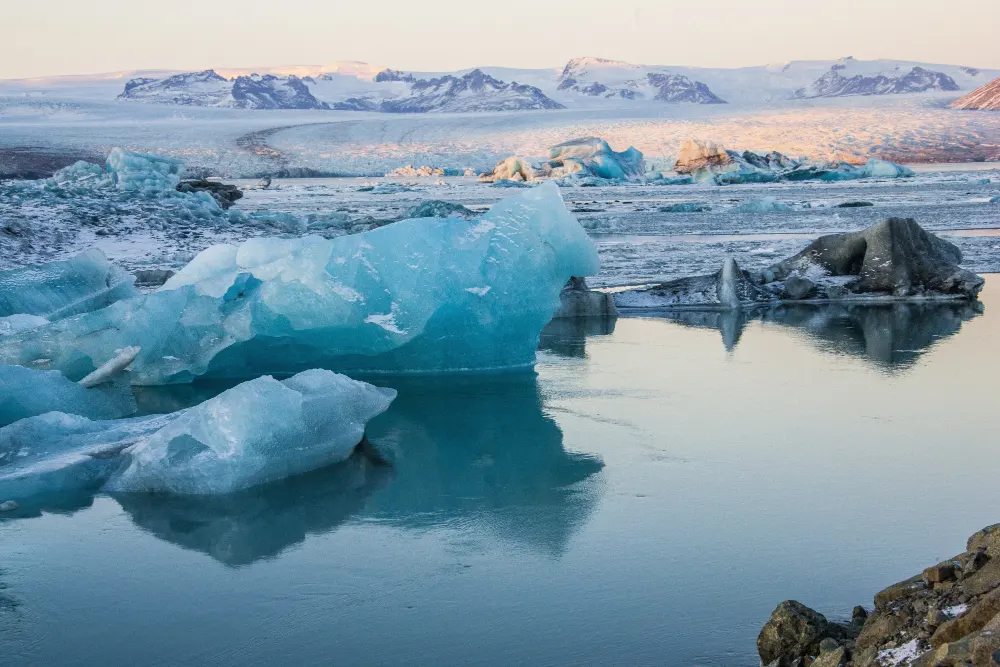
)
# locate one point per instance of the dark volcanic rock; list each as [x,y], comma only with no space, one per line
[223,193]
[729,288]
[578,301]
[895,258]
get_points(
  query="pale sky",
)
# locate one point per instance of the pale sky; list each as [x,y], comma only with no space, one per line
[72,36]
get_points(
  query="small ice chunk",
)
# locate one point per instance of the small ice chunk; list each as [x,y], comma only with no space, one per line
[108,371]
[8,506]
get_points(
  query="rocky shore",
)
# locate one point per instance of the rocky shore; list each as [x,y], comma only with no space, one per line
[946,616]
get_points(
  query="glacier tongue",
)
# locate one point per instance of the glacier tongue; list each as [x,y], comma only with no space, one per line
[260,431]
[408,297]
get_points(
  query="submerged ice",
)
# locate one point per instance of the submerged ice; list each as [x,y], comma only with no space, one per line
[424,295]
[260,431]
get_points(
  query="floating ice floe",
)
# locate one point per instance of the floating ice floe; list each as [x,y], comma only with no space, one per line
[763,205]
[427,295]
[59,289]
[260,431]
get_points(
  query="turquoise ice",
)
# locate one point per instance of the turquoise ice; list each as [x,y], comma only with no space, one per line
[58,289]
[417,296]
[260,431]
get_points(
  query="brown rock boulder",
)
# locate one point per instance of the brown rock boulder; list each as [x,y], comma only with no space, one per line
[794,632]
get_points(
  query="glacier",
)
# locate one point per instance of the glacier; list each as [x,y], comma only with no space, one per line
[425,295]
[59,289]
[257,432]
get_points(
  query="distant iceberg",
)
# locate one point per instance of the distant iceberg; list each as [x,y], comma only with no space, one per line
[428,295]
[571,162]
[260,431]
[707,162]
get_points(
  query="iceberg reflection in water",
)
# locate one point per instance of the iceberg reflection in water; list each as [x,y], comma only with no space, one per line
[476,453]
[891,336]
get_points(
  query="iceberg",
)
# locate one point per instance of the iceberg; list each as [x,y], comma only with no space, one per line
[707,162]
[586,161]
[515,169]
[59,289]
[592,156]
[427,295]
[257,432]
[25,392]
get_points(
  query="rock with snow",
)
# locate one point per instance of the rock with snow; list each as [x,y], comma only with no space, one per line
[729,288]
[426,295]
[224,193]
[578,301]
[896,257]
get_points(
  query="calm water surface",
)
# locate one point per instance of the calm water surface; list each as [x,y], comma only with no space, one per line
[646,499]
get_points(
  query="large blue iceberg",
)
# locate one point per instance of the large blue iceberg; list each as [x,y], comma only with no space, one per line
[260,431]
[425,295]
[59,289]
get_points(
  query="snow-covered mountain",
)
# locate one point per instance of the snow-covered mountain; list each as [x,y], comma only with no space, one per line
[839,82]
[583,83]
[472,92]
[209,89]
[610,79]
[986,98]
[389,91]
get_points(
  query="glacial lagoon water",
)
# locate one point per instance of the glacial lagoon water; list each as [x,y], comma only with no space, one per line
[645,498]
